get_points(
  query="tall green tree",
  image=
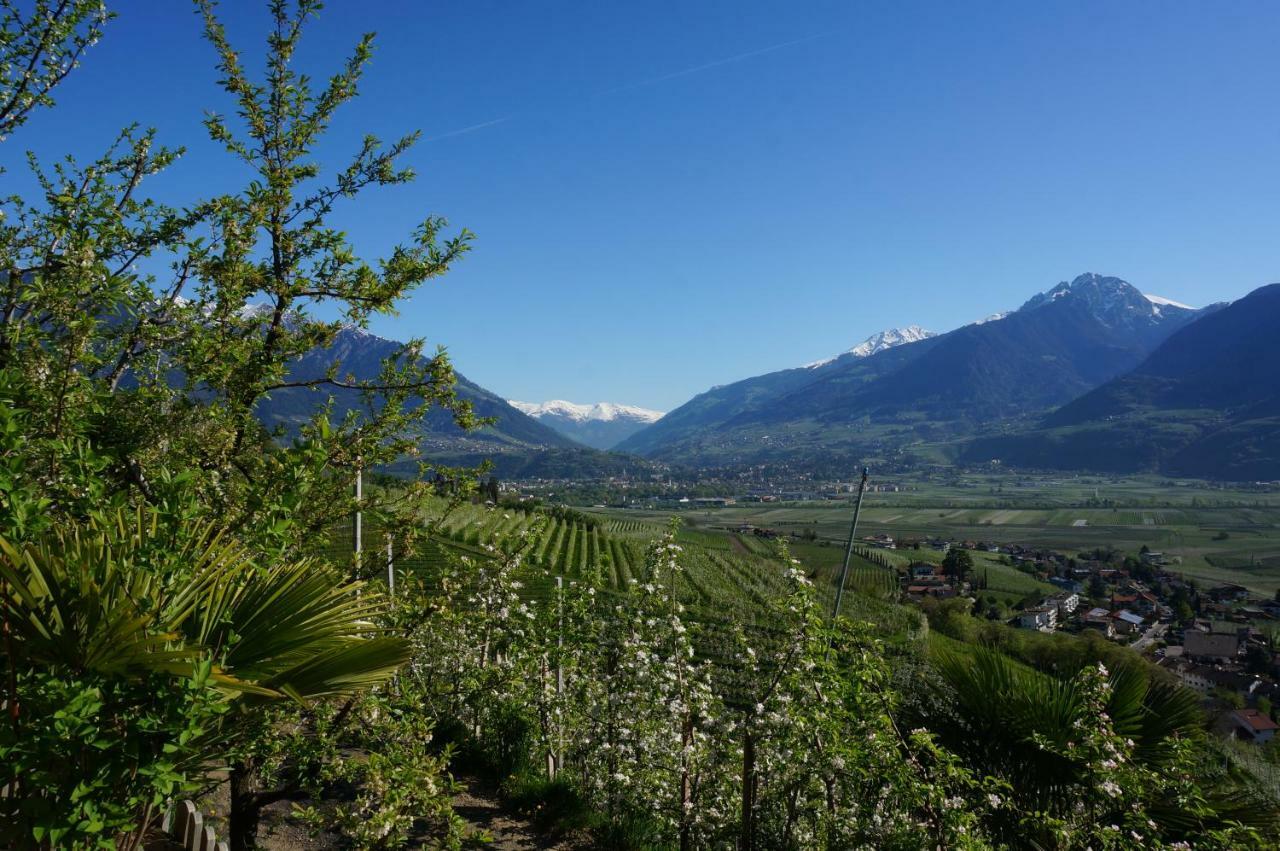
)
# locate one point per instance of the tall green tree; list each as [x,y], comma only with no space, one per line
[958,564]
[160,372]
[137,341]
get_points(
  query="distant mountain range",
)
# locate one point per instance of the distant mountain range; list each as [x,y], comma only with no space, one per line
[1205,403]
[601,426]
[518,445]
[683,427]
[1089,375]
[924,396]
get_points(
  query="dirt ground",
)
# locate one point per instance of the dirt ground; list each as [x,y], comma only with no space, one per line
[281,831]
[509,832]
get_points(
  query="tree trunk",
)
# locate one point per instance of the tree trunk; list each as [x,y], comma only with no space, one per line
[246,809]
[544,718]
[686,786]
[792,802]
[746,840]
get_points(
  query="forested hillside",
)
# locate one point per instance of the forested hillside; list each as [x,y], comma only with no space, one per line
[1205,403]
[977,378]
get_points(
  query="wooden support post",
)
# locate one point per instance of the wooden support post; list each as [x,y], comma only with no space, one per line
[560,674]
[195,824]
[356,530]
[391,568]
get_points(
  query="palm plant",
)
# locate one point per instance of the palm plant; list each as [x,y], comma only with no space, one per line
[1021,725]
[123,605]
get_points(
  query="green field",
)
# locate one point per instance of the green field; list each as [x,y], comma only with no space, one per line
[1212,534]
[721,570]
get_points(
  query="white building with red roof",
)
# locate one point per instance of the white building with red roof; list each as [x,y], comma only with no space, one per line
[1253,726]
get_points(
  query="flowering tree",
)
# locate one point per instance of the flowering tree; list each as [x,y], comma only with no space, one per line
[39,46]
[1102,759]
[823,761]
[647,714]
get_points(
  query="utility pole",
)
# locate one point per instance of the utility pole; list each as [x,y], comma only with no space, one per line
[848,550]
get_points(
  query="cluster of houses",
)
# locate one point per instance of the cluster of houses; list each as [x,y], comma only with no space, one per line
[927,580]
[1129,612]
[1217,650]
[884,541]
[1219,653]
[1226,661]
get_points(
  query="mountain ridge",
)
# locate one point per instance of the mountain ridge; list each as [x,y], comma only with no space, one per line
[601,425]
[1058,345]
[514,442]
[878,342]
[1204,403]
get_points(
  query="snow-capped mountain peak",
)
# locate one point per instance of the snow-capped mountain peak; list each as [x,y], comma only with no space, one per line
[600,426]
[600,411]
[1114,302]
[255,311]
[880,341]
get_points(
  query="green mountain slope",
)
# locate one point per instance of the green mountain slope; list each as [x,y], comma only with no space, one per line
[983,376]
[517,445]
[1205,403]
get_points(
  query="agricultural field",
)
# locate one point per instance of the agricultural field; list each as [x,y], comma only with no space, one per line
[722,572]
[1223,536]
[1006,582]
[1211,534]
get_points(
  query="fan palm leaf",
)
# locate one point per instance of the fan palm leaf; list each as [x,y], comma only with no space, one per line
[70,604]
[1016,722]
[93,598]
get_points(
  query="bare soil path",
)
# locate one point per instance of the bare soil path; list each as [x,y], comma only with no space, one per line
[485,812]
[282,831]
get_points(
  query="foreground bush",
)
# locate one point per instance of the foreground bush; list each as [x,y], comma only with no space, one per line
[136,654]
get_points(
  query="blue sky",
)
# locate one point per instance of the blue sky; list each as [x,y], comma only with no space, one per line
[653,219]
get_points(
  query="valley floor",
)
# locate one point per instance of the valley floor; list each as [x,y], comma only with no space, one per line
[1211,533]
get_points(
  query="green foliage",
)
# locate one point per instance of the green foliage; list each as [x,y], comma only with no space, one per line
[39,46]
[154,528]
[958,564]
[89,756]
[403,790]
[144,388]
[146,646]
[1099,759]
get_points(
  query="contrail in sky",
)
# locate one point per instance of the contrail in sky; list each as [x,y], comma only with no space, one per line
[474,127]
[716,64]
[649,82]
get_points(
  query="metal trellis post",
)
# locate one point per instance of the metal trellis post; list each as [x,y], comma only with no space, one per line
[848,551]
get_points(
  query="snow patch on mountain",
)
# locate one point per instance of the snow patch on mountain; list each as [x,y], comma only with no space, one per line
[598,412]
[1167,302]
[995,317]
[886,339]
[255,311]
[1112,301]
